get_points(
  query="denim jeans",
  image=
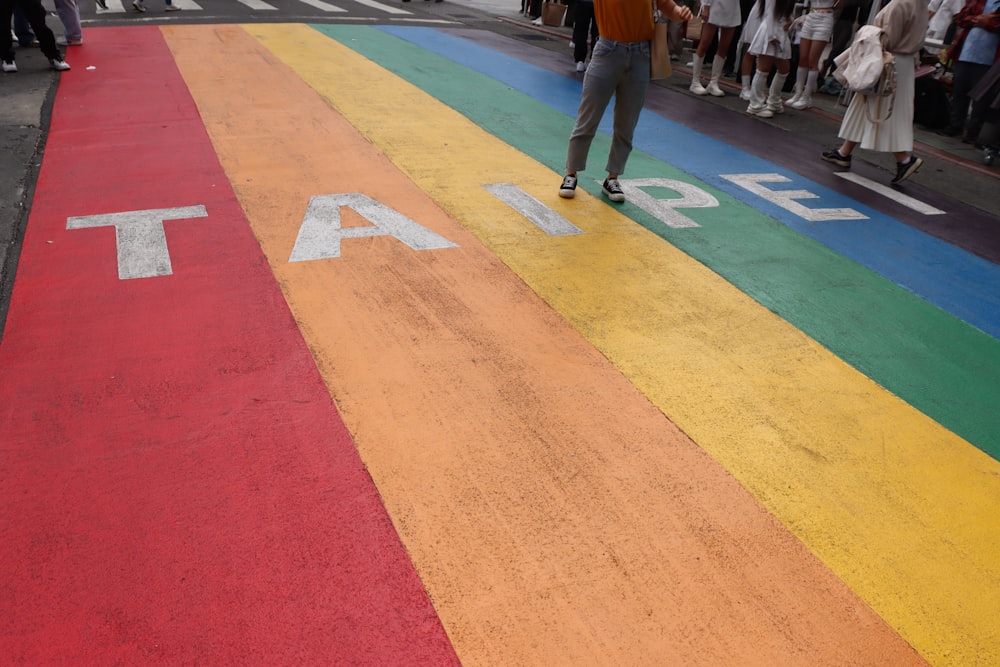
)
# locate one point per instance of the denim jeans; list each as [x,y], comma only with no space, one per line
[620,69]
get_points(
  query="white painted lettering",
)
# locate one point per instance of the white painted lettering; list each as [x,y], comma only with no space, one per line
[665,210]
[786,199]
[320,233]
[538,213]
[139,237]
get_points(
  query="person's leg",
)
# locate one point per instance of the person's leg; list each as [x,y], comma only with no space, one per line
[6,42]
[801,71]
[807,76]
[22,30]
[707,37]
[746,74]
[963,80]
[732,51]
[630,96]
[977,117]
[758,106]
[847,148]
[69,15]
[719,62]
[581,24]
[675,39]
[774,104]
[598,87]
[35,13]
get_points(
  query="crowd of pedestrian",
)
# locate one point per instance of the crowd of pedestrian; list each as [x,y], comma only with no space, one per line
[611,40]
[795,44]
[32,30]
[27,22]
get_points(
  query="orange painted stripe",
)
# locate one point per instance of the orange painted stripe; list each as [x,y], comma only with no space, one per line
[554,515]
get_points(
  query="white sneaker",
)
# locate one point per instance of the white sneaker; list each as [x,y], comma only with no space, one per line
[537,21]
[794,98]
[801,103]
[714,90]
[760,112]
[572,45]
[171,8]
[775,108]
[59,64]
[697,88]
[581,67]
[9,66]
[138,6]
[745,94]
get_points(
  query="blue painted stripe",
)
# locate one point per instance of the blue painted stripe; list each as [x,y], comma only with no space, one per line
[959,282]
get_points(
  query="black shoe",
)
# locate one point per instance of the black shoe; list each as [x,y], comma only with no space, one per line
[838,159]
[906,169]
[102,4]
[950,131]
[568,188]
[613,190]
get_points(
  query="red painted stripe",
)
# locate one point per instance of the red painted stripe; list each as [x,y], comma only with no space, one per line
[176,483]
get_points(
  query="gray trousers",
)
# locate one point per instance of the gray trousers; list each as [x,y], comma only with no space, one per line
[620,69]
[69,15]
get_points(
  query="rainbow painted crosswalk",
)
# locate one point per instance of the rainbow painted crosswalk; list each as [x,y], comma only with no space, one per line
[314,366]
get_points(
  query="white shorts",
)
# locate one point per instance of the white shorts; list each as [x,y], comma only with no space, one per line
[724,13]
[818,25]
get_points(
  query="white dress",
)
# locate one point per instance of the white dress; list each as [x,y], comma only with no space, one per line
[771,38]
[751,24]
[724,13]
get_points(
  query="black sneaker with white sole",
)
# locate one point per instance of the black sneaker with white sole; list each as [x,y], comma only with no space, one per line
[613,190]
[568,188]
[906,169]
[838,159]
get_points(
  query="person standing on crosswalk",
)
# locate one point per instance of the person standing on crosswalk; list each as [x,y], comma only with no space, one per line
[35,14]
[140,6]
[619,67]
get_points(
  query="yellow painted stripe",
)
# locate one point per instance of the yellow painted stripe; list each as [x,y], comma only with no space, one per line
[900,508]
[555,516]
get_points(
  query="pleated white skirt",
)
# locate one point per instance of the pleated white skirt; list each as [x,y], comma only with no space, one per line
[893,135]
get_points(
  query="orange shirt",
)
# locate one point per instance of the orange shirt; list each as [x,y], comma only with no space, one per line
[625,20]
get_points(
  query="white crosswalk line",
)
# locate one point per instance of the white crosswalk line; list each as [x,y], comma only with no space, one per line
[258,5]
[890,193]
[125,6]
[323,6]
[388,9]
[114,7]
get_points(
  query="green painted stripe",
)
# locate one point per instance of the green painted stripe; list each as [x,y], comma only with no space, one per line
[939,364]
